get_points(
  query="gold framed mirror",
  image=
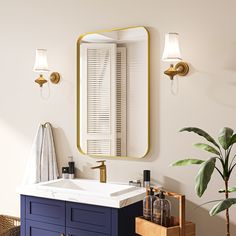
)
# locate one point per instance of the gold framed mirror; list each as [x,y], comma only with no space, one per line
[113,93]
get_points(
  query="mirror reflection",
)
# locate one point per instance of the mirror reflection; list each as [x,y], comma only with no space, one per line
[113,93]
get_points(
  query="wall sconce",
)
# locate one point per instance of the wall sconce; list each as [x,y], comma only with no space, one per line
[41,67]
[172,53]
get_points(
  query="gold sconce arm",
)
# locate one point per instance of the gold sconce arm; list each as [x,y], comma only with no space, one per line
[41,80]
[181,69]
[54,78]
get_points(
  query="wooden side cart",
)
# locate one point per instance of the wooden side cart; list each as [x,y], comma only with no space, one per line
[179,227]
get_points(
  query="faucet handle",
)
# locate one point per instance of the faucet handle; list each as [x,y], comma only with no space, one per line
[102,162]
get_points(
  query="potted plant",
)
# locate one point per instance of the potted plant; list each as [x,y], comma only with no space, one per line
[221,160]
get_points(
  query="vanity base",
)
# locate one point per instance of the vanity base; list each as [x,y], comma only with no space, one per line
[49,217]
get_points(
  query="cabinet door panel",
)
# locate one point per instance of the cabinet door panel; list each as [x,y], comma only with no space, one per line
[34,228]
[78,232]
[88,217]
[45,210]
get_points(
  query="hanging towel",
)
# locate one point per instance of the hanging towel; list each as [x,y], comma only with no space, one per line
[48,166]
[42,164]
[32,174]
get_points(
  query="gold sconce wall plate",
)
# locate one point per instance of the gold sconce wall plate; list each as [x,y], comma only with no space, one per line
[55,77]
[182,68]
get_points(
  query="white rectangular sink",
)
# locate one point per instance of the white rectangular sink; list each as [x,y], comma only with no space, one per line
[90,187]
[86,191]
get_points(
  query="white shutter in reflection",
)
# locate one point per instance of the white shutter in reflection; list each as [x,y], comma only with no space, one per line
[98,110]
[103,99]
[98,91]
[121,99]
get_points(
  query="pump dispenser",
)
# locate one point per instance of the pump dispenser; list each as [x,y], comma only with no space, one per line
[148,204]
[146,178]
[71,164]
[161,210]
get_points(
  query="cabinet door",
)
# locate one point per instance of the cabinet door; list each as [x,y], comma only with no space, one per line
[88,218]
[45,210]
[34,228]
[78,232]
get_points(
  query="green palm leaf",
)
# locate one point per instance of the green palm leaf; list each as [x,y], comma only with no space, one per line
[201,133]
[186,162]
[204,176]
[223,205]
[207,148]
[225,137]
[233,140]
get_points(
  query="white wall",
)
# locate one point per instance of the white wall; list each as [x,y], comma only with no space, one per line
[206,98]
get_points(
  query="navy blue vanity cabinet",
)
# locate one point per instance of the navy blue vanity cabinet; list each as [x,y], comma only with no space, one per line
[49,217]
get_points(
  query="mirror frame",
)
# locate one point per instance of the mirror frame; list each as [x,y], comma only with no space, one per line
[78,95]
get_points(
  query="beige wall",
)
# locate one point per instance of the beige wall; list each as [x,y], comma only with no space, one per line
[206,98]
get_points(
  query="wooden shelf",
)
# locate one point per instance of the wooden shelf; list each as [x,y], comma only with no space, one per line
[147,228]
[179,226]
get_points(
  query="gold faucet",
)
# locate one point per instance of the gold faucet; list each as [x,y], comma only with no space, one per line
[103,171]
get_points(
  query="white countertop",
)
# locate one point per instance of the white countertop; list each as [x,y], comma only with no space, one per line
[71,190]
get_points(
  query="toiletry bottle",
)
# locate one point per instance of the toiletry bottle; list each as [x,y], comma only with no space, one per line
[161,210]
[71,164]
[146,178]
[148,204]
[65,172]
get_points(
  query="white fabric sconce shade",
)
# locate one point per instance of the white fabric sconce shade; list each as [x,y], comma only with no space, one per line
[41,62]
[171,49]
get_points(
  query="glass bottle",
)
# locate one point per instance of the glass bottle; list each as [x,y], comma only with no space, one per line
[161,210]
[148,204]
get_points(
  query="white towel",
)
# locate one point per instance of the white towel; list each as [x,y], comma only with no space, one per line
[42,164]
[49,170]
